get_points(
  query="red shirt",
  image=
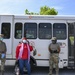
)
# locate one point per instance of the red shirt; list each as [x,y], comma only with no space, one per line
[25,51]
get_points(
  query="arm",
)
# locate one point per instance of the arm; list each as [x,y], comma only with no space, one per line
[5,48]
[3,52]
[49,48]
[17,52]
[58,49]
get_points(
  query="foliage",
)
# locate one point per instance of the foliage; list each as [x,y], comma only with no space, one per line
[26,11]
[45,10]
[30,13]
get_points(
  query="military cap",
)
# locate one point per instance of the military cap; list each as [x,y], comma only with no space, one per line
[54,38]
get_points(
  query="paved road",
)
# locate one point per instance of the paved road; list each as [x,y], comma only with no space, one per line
[41,71]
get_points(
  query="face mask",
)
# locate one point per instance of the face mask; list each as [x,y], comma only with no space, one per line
[24,41]
[53,41]
[1,39]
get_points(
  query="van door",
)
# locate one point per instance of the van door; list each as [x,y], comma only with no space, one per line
[6,23]
[18,28]
[71,45]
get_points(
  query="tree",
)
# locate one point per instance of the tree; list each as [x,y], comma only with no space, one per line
[30,13]
[45,10]
[26,11]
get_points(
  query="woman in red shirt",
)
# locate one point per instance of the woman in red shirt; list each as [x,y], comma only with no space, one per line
[23,55]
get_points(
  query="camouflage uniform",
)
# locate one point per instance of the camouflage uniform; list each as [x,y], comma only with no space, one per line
[54,57]
[2,51]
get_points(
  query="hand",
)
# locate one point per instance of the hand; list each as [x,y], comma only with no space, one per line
[54,51]
[3,55]
[51,51]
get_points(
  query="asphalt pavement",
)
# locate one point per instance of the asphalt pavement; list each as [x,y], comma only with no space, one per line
[41,71]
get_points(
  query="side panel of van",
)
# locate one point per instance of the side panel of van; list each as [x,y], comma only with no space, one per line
[6,27]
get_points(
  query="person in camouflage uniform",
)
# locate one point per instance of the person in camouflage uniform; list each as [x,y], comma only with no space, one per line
[2,54]
[54,50]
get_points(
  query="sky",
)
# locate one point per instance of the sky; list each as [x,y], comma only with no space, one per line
[64,7]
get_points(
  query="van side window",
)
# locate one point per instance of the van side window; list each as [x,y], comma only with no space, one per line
[59,30]
[45,30]
[18,30]
[30,30]
[6,30]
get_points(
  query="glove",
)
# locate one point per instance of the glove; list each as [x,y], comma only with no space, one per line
[3,55]
[55,51]
[52,51]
